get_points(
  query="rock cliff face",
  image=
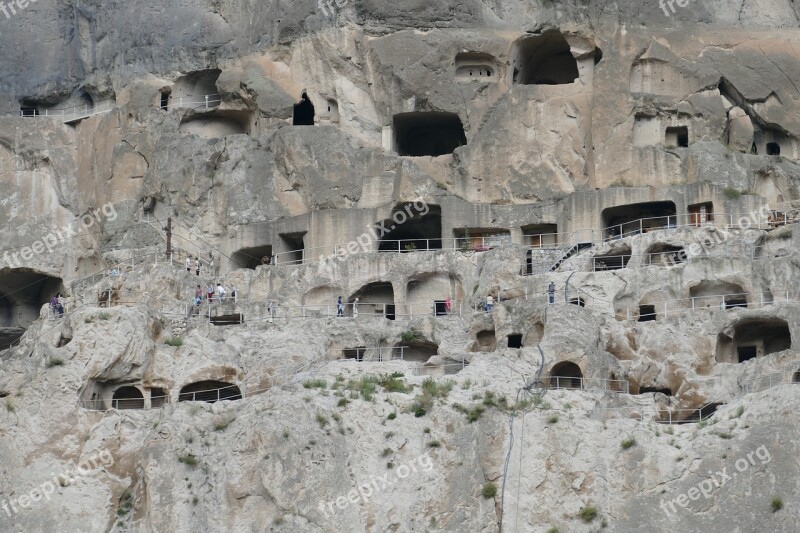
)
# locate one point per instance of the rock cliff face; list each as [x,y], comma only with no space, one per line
[441,167]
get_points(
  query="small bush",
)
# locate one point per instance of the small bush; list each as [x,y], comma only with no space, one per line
[489,490]
[389,465]
[315,384]
[285,433]
[418,410]
[434,444]
[739,412]
[588,513]
[103,316]
[552,419]
[627,443]
[777,504]
[732,193]
[394,383]
[55,361]
[322,420]
[342,402]
[386,452]
[391,416]
[88,320]
[552,530]
[9,405]
[188,459]
[174,341]
[410,335]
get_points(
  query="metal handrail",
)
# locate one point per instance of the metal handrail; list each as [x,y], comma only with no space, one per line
[70,114]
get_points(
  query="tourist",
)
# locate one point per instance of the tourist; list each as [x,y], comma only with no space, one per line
[355,308]
[197,265]
[489,303]
[221,293]
[551,293]
[339,307]
[210,294]
[271,310]
[234,294]
[188,264]
[448,305]
[55,306]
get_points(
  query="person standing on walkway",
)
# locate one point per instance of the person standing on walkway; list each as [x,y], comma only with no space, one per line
[551,293]
[210,294]
[271,310]
[188,264]
[221,293]
[489,303]
[448,305]
[197,265]
[339,307]
[355,308]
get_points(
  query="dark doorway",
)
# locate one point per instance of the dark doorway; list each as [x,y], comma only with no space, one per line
[515,340]
[295,247]
[356,354]
[303,114]
[647,313]
[390,312]
[428,133]
[440,308]
[664,391]
[578,301]
[127,398]
[773,149]
[158,397]
[412,233]
[164,100]
[747,352]
[677,136]
[566,375]
[633,219]
[210,392]
[254,257]
[544,60]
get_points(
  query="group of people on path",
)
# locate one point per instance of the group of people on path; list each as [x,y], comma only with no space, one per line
[340,305]
[218,294]
[198,265]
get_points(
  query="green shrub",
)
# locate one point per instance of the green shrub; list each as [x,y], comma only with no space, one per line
[315,384]
[387,452]
[174,341]
[188,459]
[732,193]
[552,419]
[627,443]
[418,410]
[410,335]
[322,420]
[434,444]
[777,504]
[103,316]
[55,361]
[394,383]
[365,387]
[342,402]
[588,513]
[392,416]
[489,490]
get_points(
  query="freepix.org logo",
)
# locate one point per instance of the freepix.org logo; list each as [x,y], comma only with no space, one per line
[664,4]
[8,8]
[49,242]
